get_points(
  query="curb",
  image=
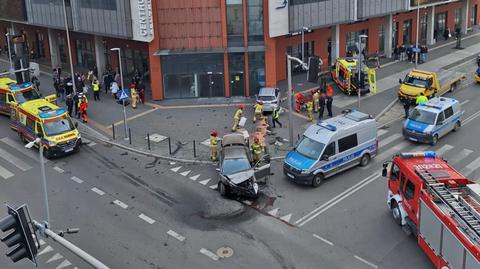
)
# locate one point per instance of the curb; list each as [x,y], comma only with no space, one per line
[385,110]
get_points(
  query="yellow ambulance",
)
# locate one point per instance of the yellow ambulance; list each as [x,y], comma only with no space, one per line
[40,118]
[12,94]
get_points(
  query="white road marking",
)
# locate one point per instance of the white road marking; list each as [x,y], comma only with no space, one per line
[393,150]
[41,242]
[464,102]
[206,142]
[64,264]
[195,177]
[91,144]
[337,199]
[471,117]
[443,149]
[17,145]
[120,204]
[381,132]
[365,262]
[76,179]
[388,140]
[214,187]
[5,173]
[55,257]
[176,235]
[323,239]
[175,169]
[45,250]
[98,191]
[157,138]
[471,167]
[58,169]
[286,218]
[209,254]
[273,212]
[204,182]
[20,164]
[146,218]
[185,173]
[460,156]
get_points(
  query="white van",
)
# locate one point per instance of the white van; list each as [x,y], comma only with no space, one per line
[332,146]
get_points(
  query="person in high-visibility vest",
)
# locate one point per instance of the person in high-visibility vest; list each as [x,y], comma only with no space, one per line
[309,110]
[421,99]
[257,149]
[275,117]
[258,113]
[96,90]
[213,145]
[237,117]
[134,93]
[316,100]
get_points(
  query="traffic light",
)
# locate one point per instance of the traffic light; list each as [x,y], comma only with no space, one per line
[20,237]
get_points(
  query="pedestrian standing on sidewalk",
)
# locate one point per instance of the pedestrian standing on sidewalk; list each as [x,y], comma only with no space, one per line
[403,52]
[406,106]
[114,89]
[106,81]
[96,90]
[117,79]
[316,100]
[69,103]
[447,34]
[75,103]
[141,91]
[275,117]
[69,87]
[329,97]
[61,90]
[323,99]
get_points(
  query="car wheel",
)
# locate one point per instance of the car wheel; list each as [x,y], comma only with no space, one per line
[434,140]
[365,160]
[46,153]
[397,216]
[222,189]
[452,87]
[317,180]
[457,126]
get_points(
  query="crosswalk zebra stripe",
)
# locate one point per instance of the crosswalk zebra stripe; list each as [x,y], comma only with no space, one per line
[471,167]
[7,156]
[388,140]
[5,173]
[381,132]
[460,156]
[393,150]
[17,145]
[443,149]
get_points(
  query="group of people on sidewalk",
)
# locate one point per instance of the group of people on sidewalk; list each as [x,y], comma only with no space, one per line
[407,53]
[112,82]
[316,102]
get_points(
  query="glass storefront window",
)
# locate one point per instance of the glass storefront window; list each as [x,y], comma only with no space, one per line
[236,67]
[407,32]
[440,24]
[473,16]
[381,39]
[423,29]
[395,35]
[352,40]
[255,21]
[193,75]
[256,67]
[62,47]
[458,18]
[85,53]
[235,22]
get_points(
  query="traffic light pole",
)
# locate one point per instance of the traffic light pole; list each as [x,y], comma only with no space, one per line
[71,247]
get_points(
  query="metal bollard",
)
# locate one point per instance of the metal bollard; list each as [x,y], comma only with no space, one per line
[113,131]
[129,136]
[194,150]
[169,146]
[148,141]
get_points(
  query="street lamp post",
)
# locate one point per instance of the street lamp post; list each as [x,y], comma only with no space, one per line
[121,82]
[9,52]
[69,49]
[289,90]
[359,65]
[416,39]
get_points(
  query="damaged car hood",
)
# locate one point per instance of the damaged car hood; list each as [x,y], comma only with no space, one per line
[240,177]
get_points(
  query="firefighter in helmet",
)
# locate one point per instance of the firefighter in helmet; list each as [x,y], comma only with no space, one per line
[213,145]
[257,149]
[258,111]
[83,107]
[309,110]
[316,100]
[237,117]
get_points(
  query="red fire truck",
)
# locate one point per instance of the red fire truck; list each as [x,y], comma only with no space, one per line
[439,206]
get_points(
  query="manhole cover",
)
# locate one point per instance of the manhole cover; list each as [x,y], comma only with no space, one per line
[225,252]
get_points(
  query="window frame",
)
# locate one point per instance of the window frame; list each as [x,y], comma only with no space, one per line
[450,112]
[30,124]
[347,142]
[332,144]
[397,172]
[410,189]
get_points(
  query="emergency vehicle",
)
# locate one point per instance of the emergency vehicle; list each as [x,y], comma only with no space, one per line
[12,94]
[345,75]
[439,206]
[39,118]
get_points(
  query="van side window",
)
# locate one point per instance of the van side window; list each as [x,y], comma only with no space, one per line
[329,150]
[440,118]
[448,112]
[347,142]
[30,124]
[10,98]
[39,130]
[395,172]
[409,190]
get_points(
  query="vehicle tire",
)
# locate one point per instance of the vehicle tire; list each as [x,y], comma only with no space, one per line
[222,189]
[365,160]
[397,216]
[452,87]
[22,138]
[434,140]
[47,154]
[317,180]
[457,126]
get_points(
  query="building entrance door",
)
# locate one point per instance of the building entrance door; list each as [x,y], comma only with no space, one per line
[237,83]
[211,85]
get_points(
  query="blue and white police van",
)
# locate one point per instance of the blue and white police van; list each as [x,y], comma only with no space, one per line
[430,121]
[332,146]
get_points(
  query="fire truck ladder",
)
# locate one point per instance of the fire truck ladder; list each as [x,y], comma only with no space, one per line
[467,220]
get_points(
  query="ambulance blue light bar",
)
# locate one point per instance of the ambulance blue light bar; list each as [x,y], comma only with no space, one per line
[16,87]
[327,126]
[425,154]
[52,113]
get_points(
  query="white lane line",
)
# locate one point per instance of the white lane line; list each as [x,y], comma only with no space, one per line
[366,262]
[5,173]
[443,149]
[471,167]
[76,179]
[381,132]
[323,239]
[98,191]
[460,156]
[58,169]
[175,169]
[120,204]
[471,117]
[209,254]
[17,145]
[464,102]
[20,164]
[388,140]
[91,144]
[146,218]
[337,199]
[176,235]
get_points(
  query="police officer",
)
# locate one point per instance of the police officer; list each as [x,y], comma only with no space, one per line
[96,90]
[213,145]
[421,99]
[275,117]
[258,111]
[329,97]
[406,106]
[69,103]
[322,101]
[316,100]
[309,110]
[237,117]
[257,149]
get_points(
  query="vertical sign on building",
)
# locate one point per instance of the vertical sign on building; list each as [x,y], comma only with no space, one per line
[278,17]
[142,20]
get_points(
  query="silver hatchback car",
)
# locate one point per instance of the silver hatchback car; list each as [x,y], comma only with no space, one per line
[270,97]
